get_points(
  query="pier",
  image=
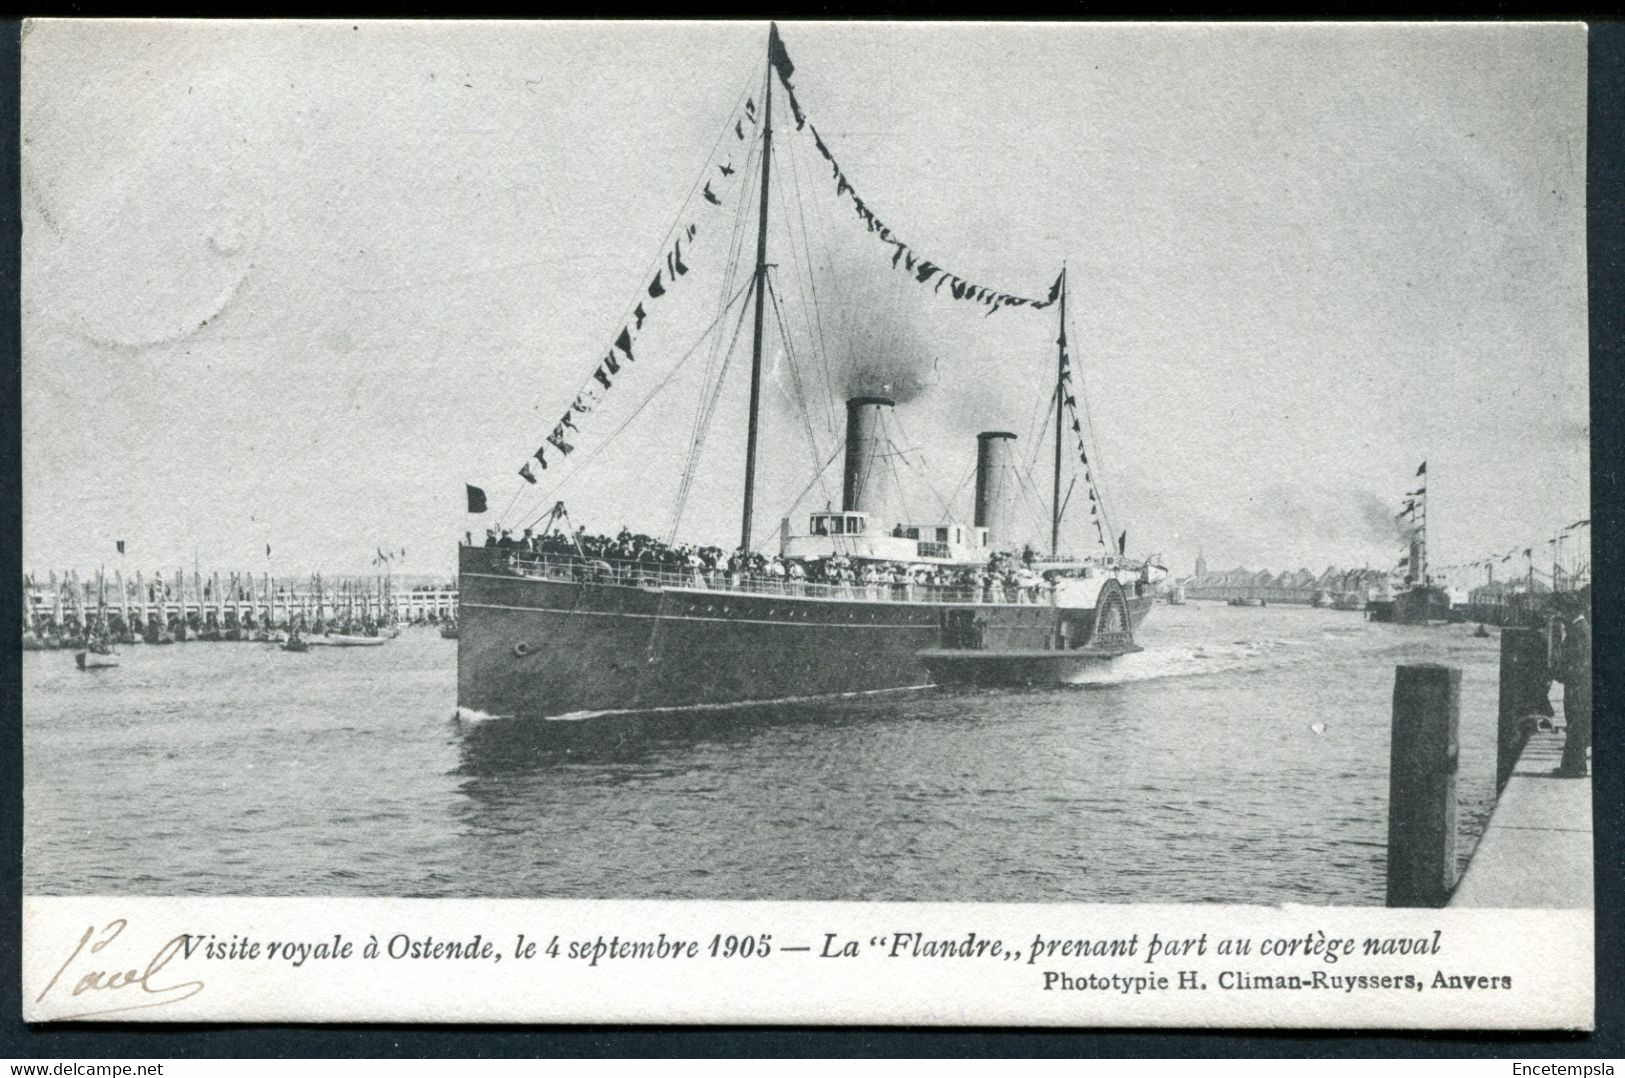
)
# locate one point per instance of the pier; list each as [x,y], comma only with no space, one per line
[1536,849]
[225,600]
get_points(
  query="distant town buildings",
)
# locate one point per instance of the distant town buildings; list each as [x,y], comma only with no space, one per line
[1302,586]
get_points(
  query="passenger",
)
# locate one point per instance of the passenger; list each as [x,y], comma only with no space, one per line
[1574,670]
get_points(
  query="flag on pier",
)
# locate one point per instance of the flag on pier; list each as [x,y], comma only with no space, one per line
[1423,470]
[120,545]
[476,499]
[1122,542]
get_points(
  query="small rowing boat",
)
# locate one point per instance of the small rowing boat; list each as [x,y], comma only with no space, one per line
[344,640]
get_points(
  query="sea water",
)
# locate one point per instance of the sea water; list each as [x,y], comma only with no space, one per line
[1242,757]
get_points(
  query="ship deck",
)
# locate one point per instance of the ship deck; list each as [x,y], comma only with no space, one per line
[646,577]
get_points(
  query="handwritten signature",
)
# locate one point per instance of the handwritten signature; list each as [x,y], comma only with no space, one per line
[121,979]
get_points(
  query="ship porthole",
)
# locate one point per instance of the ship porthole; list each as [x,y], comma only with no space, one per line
[521,649]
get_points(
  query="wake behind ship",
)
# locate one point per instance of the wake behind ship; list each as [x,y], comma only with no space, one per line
[859,598]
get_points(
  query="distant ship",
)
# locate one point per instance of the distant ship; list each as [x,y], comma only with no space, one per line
[1420,601]
[851,602]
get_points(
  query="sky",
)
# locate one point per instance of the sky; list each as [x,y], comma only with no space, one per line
[296,284]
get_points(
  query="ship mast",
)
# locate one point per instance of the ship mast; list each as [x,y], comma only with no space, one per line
[1060,418]
[1420,554]
[761,289]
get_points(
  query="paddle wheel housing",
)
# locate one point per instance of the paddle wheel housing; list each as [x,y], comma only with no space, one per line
[1112,628]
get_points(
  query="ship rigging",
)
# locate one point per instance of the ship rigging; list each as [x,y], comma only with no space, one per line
[864,597]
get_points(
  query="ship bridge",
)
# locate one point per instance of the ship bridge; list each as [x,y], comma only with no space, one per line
[854,534]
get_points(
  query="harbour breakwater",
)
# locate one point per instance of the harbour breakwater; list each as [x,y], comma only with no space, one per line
[221,605]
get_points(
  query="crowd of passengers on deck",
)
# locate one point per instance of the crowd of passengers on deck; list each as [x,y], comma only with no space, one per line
[628,558]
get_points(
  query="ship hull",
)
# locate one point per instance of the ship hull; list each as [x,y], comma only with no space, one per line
[1418,606]
[996,669]
[546,647]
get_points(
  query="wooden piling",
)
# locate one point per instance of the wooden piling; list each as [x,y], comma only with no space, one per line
[1525,684]
[1422,785]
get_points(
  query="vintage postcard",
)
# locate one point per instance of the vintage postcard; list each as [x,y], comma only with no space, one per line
[1079,525]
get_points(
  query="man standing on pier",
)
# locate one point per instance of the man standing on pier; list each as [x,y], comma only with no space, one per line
[1575,673]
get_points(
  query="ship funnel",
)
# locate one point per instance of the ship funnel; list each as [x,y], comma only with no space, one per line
[868,469]
[995,484]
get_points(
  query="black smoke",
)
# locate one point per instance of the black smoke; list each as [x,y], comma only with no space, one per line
[1381,523]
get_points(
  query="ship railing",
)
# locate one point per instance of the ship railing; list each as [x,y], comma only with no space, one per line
[1105,561]
[575,569]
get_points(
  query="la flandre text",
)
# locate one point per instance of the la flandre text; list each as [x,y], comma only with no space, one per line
[1060,964]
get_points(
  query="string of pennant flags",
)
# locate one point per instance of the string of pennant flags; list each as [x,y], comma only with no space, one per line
[1528,552]
[905,257]
[620,351]
[1070,399]
[716,192]
[1415,509]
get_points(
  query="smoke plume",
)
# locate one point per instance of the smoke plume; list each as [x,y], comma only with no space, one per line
[1381,523]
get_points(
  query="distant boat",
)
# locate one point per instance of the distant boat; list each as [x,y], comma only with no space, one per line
[1248,602]
[449,630]
[344,640]
[98,651]
[295,644]
[98,657]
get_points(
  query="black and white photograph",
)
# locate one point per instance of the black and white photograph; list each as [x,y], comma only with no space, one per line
[810,467]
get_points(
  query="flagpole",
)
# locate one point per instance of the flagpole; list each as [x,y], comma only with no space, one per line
[761,288]
[1060,418]
[1555,545]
